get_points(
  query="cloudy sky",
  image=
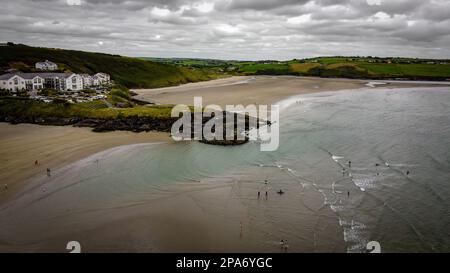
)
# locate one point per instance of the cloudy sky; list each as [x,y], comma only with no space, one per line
[233,29]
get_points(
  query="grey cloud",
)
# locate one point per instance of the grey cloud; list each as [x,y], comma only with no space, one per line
[234,29]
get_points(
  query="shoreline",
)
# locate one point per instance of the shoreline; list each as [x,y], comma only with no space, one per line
[260,89]
[193,210]
[67,148]
[54,147]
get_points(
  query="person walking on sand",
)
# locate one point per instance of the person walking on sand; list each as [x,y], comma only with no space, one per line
[285,246]
[266,194]
[259,194]
[240,225]
[282,243]
[407,172]
[348,194]
[48,172]
[349,164]
[36,163]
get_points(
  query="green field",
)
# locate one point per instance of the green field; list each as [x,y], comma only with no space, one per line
[130,72]
[345,67]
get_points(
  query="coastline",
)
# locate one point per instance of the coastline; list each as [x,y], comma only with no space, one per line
[57,146]
[258,89]
[192,210]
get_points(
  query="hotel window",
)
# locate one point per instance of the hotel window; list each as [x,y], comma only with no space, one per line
[16,81]
[74,80]
[35,80]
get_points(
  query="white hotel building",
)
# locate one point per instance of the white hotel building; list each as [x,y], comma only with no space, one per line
[59,81]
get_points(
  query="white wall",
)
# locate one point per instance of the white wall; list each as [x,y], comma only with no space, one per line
[74,83]
[15,83]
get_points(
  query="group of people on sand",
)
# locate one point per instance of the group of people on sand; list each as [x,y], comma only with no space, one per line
[36,163]
[280,192]
[283,243]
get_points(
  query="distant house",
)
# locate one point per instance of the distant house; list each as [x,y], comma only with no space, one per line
[47,65]
[102,78]
[35,81]
[88,80]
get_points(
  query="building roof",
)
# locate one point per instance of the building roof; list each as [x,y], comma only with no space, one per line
[30,76]
[7,76]
[101,74]
[47,62]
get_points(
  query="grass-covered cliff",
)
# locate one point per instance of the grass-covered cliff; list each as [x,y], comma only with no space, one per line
[130,72]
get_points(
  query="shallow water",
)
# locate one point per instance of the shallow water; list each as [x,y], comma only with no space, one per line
[384,133]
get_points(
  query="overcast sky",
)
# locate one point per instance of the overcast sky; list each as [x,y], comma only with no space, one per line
[232,29]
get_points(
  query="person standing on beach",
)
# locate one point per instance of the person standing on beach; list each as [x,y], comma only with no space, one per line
[259,194]
[266,194]
[36,163]
[285,246]
[349,164]
[48,172]
[240,234]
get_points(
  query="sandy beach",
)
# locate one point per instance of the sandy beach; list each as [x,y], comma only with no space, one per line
[254,90]
[53,147]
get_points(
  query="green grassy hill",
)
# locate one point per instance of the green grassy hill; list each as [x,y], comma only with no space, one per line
[343,67]
[130,72]
[356,67]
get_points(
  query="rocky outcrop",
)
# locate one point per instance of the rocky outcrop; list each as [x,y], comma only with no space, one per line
[133,123]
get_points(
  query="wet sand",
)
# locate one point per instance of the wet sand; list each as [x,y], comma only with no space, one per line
[220,214]
[53,147]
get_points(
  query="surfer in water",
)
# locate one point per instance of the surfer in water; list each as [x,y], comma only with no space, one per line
[280,192]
